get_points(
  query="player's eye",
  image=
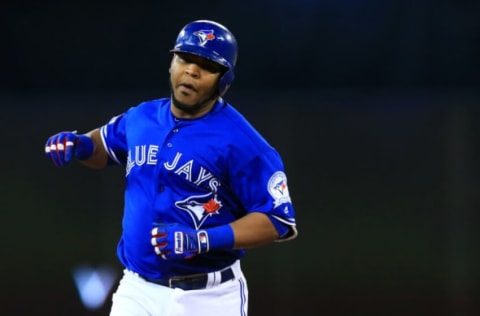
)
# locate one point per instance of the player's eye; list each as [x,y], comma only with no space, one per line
[203,63]
[212,67]
[182,58]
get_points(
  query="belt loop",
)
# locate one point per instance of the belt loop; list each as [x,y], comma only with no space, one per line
[214,278]
[217,277]
[210,280]
[236,269]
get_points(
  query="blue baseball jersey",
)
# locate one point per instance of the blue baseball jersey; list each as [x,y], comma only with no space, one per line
[202,173]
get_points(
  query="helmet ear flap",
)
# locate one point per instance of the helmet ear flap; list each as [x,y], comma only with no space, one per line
[225,82]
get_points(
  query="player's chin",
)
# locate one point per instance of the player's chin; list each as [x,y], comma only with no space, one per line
[185,104]
[186,97]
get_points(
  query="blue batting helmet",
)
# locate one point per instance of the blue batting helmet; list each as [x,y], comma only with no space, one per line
[212,41]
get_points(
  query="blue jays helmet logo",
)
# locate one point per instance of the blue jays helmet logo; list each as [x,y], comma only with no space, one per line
[200,207]
[204,36]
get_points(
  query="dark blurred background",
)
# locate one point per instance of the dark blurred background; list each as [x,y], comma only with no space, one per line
[374,106]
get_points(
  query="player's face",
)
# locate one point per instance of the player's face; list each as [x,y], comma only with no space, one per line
[193,81]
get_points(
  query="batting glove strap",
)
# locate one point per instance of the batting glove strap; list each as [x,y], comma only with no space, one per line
[84,147]
[190,242]
[203,244]
[174,241]
[216,238]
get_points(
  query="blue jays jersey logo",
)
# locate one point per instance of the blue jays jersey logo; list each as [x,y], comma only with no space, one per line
[204,36]
[200,207]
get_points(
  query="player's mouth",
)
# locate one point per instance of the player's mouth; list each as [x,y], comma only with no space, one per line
[186,88]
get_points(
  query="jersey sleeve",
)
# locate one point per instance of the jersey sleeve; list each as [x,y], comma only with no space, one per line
[114,139]
[261,184]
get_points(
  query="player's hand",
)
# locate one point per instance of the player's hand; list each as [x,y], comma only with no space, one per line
[64,146]
[174,241]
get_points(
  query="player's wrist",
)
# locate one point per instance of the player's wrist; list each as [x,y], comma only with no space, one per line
[221,237]
[84,147]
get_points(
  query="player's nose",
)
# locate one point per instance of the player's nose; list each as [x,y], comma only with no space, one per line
[193,70]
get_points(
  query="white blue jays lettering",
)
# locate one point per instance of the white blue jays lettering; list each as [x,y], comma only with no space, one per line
[147,154]
[186,169]
[143,155]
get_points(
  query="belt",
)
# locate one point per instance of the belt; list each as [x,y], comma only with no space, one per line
[193,281]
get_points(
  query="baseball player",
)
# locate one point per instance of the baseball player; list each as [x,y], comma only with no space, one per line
[202,186]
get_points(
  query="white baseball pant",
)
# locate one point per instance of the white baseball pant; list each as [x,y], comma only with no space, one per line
[137,297]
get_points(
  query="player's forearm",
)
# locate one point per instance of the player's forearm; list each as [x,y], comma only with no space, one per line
[253,230]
